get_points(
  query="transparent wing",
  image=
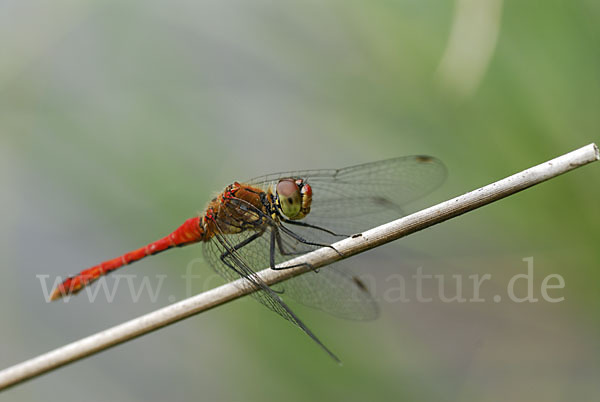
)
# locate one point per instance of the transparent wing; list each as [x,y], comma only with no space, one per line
[356,198]
[346,201]
[231,266]
[334,291]
[222,255]
[331,290]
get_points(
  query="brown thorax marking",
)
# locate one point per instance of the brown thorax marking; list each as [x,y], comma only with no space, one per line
[237,208]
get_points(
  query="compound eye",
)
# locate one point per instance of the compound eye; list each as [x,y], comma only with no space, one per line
[289,196]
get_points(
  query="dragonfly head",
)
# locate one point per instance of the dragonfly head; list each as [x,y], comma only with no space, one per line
[294,197]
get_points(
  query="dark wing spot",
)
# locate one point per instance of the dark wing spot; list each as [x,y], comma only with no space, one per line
[361,285]
[380,201]
[424,158]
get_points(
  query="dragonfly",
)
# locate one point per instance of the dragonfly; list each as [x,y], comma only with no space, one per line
[268,220]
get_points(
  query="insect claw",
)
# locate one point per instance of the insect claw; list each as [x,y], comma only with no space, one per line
[279,292]
[312,268]
[338,252]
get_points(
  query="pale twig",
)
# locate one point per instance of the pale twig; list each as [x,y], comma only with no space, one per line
[319,258]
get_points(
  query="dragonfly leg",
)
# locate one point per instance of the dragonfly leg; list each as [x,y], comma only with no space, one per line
[302,240]
[230,250]
[276,240]
[272,299]
[304,264]
[281,247]
[308,225]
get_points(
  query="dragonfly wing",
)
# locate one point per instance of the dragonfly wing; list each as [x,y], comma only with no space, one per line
[356,198]
[331,289]
[406,178]
[227,262]
[334,291]
[230,265]
[345,201]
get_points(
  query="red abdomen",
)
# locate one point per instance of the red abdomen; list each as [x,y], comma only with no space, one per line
[190,232]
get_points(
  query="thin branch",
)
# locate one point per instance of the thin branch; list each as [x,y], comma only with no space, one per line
[318,258]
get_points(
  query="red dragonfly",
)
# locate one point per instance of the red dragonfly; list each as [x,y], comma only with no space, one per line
[270,219]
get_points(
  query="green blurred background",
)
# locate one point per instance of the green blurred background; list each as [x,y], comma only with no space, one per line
[118,120]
